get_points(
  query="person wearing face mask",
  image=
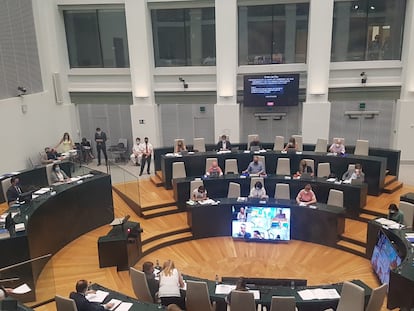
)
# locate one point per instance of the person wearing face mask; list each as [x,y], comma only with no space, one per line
[200,194]
[136,152]
[146,151]
[355,173]
[255,167]
[395,214]
[306,196]
[223,144]
[337,147]
[14,190]
[58,175]
[100,139]
[258,191]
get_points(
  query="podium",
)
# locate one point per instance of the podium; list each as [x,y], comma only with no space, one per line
[121,247]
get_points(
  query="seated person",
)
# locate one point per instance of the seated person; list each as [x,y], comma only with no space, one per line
[57,174]
[171,281]
[136,152]
[14,190]
[291,145]
[355,173]
[223,144]
[83,304]
[395,214]
[337,147]
[243,233]
[281,215]
[258,191]
[199,194]
[255,142]
[50,156]
[306,196]
[242,215]
[4,292]
[240,286]
[304,168]
[255,167]
[257,235]
[180,146]
[153,284]
[214,169]
[86,150]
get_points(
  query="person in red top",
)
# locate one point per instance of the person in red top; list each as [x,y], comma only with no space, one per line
[214,169]
[306,196]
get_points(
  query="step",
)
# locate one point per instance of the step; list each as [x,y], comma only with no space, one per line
[166,210]
[367,217]
[166,241]
[389,179]
[158,206]
[159,174]
[349,239]
[394,186]
[351,248]
[156,180]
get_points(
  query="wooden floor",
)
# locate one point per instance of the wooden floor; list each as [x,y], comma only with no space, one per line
[222,256]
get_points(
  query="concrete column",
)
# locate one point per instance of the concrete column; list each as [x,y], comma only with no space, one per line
[243,36]
[342,31]
[290,34]
[226,111]
[144,112]
[195,35]
[317,109]
[404,123]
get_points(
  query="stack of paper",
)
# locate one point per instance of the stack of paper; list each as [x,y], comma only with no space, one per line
[42,191]
[98,296]
[391,224]
[115,303]
[410,237]
[224,289]
[22,289]
[124,306]
[19,227]
[319,293]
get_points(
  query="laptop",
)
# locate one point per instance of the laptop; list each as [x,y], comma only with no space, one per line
[214,174]
[184,152]
[357,182]
[234,149]
[305,176]
[254,148]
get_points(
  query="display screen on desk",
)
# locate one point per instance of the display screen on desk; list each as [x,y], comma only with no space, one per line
[261,223]
[384,258]
[271,90]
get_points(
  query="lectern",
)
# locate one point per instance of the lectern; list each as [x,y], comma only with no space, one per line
[121,247]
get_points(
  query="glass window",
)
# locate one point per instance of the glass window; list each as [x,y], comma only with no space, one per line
[184,37]
[367,30]
[273,34]
[96,38]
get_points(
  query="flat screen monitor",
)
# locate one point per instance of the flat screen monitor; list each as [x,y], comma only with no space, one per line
[384,258]
[271,90]
[261,223]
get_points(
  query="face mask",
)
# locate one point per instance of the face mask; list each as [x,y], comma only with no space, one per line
[392,212]
[337,145]
[257,188]
[58,169]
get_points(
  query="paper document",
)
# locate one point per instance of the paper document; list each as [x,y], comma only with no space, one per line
[224,289]
[206,202]
[117,221]
[42,191]
[115,302]
[256,293]
[331,179]
[98,296]
[19,227]
[319,293]
[22,289]
[125,306]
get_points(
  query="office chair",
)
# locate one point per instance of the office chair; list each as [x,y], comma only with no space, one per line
[321,145]
[361,147]
[140,285]
[282,191]
[335,198]
[279,143]
[198,297]
[283,166]
[65,304]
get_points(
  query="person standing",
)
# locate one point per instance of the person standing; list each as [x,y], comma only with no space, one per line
[100,139]
[146,151]
[136,152]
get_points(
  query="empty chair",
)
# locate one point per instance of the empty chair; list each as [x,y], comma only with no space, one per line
[408,211]
[140,285]
[283,303]
[65,304]
[352,298]
[321,145]
[336,198]
[242,301]
[199,145]
[262,159]
[230,166]
[234,190]
[361,147]
[299,142]
[178,170]
[283,166]
[49,173]
[209,162]
[324,169]
[282,192]
[194,184]
[5,184]
[279,143]
[198,297]
[253,180]
[377,298]
[250,138]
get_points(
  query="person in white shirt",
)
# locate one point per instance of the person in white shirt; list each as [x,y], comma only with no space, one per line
[337,147]
[136,152]
[258,191]
[57,174]
[146,151]
[199,194]
[171,281]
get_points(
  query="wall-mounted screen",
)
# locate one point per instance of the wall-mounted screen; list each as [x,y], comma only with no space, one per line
[271,90]
[384,258]
[261,223]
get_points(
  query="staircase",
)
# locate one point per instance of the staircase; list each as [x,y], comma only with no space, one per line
[157,179]
[391,184]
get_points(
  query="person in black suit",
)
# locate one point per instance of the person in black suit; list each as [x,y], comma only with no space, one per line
[223,144]
[83,304]
[153,284]
[14,190]
[100,139]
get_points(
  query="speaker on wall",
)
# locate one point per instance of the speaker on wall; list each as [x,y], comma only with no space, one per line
[57,85]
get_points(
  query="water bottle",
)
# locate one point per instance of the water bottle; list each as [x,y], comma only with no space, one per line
[217,280]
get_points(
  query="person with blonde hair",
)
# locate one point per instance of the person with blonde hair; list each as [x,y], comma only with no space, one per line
[171,281]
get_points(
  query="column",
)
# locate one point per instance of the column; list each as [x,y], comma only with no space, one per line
[342,31]
[290,34]
[226,111]
[317,109]
[195,35]
[144,112]
[404,123]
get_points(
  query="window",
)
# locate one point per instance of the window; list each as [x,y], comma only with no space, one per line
[97,38]
[367,30]
[184,37]
[273,34]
